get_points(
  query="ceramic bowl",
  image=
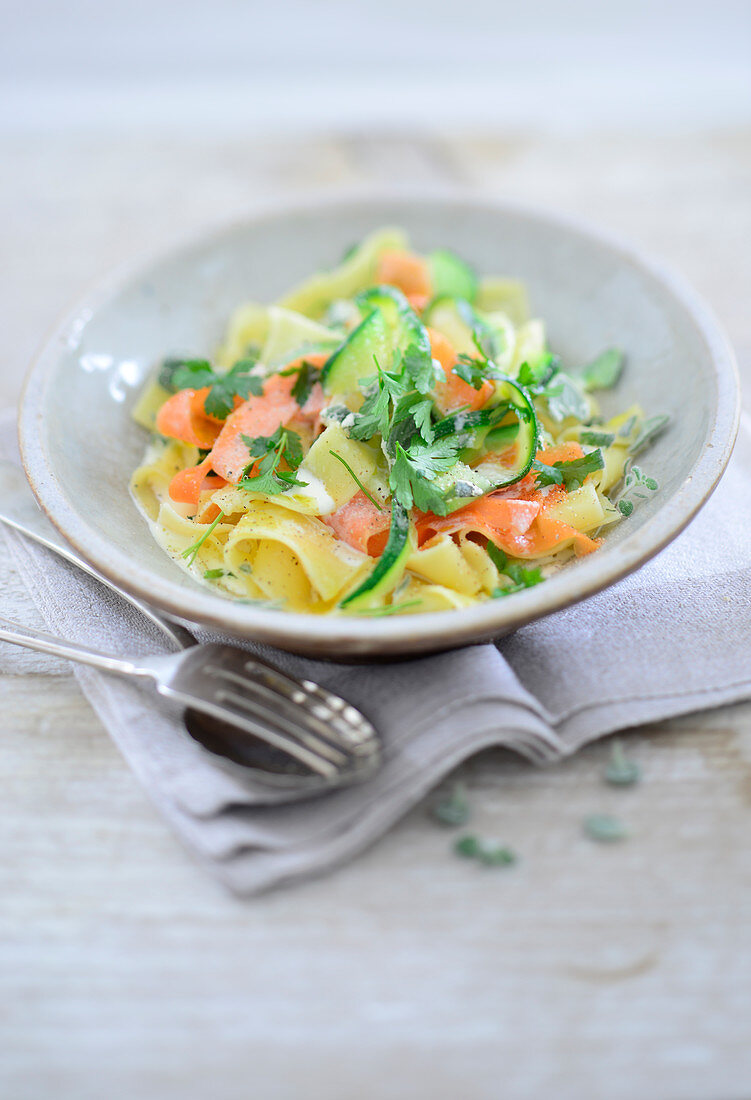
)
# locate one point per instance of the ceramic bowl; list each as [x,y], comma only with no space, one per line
[79,444]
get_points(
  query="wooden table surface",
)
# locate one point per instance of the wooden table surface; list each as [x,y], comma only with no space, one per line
[583,972]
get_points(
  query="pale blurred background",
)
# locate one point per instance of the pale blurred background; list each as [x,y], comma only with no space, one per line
[123,124]
[234,66]
[125,971]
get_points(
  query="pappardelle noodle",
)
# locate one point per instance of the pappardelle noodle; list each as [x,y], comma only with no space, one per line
[392,436]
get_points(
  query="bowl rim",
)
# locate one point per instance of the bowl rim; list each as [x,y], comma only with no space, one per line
[350,637]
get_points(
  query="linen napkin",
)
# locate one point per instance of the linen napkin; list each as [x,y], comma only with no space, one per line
[672,638]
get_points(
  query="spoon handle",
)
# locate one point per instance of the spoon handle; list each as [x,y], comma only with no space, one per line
[19,510]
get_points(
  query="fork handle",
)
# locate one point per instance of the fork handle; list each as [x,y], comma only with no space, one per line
[72,651]
[19,510]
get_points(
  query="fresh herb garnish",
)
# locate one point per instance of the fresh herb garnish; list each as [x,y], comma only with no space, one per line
[593,437]
[374,415]
[565,399]
[467,846]
[307,376]
[453,808]
[621,772]
[167,372]
[417,368]
[521,576]
[603,372]
[636,486]
[220,400]
[489,340]
[561,392]
[283,445]
[536,376]
[497,556]
[572,474]
[412,413]
[389,609]
[415,469]
[191,552]
[213,574]
[627,427]
[484,851]
[397,399]
[356,479]
[604,828]
[475,372]
[648,431]
[496,855]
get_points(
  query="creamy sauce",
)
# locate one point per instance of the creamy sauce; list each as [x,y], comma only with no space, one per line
[315,490]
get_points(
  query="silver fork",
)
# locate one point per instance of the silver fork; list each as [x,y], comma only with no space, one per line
[227,690]
[314,726]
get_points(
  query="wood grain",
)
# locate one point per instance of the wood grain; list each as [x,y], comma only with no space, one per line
[584,971]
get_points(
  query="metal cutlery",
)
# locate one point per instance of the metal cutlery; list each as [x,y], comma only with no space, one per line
[251,715]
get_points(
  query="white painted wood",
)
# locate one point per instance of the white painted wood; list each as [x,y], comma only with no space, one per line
[583,972]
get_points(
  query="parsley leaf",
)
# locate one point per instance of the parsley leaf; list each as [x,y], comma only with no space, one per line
[307,376]
[417,365]
[282,445]
[416,467]
[167,372]
[220,400]
[520,575]
[603,372]
[547,475]
[422,414]
[536,377]
[475,372]
[571,474]
[415,412]
[373,417]
[396,403]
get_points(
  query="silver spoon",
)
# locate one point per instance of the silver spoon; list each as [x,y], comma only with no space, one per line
[232,745]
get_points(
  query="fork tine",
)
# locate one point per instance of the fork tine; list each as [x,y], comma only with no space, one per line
[296,729]
[243,721]
[330,726]
[346,719]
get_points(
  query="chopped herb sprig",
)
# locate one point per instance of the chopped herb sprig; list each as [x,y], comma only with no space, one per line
[621,771]
[571,474]
[486,852]
[452,809]
[604,828]
[355,478]
[190,553]
[220,400]
[636,486]
[603,372]
[521,576]
[283,445]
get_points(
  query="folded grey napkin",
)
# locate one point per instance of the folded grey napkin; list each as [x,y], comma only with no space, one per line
[672,638]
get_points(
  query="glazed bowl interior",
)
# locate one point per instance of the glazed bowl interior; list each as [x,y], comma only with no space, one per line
[80,444]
